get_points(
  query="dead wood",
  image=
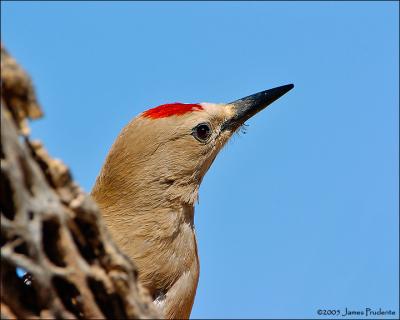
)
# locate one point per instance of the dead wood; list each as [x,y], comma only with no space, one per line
[57,258]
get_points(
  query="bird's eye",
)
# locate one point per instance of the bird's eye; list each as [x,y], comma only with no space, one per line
[202,132]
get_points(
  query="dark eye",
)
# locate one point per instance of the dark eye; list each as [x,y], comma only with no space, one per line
[202,132]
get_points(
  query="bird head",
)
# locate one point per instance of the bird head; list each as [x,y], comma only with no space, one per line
[162,155]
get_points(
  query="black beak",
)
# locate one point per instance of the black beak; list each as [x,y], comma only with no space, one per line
[249,106]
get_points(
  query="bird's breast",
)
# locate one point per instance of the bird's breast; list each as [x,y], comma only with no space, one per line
[162,244]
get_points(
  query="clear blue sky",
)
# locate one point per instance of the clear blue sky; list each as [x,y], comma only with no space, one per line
[299,214]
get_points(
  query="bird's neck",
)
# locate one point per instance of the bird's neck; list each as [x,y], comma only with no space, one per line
[141,205]
[152,235]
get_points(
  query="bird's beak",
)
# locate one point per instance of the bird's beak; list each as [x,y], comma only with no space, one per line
[248,106]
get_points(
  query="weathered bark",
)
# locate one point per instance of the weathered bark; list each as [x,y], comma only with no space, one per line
[52,231]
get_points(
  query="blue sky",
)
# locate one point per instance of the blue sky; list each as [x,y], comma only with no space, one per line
[298,214]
